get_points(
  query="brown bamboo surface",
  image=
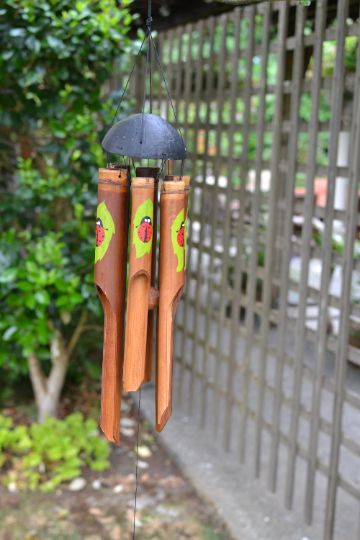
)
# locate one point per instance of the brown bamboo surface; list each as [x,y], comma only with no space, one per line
[171,286]
[151,172]
[153,300]
[110,282]
[138,286]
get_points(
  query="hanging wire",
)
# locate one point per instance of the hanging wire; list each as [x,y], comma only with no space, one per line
[163,163]
[166,86]
[182,168]
[148,35]
[127,82]
[132,159]
[137,462]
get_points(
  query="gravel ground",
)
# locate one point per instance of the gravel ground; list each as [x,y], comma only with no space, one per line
[167,505]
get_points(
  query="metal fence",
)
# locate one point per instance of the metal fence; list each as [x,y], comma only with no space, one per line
[267,331]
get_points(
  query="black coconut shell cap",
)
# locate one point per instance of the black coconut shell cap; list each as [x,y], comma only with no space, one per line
[145,136]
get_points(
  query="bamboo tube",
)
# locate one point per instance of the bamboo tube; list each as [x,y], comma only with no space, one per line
[140,261]
[112,224]
[151,172]
[171,285]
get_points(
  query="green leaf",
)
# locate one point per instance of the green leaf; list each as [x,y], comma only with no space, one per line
[55,43]
[62,300]
[9,332]
[57,129]
[6,55]
[33,44]
[42,297]
[178,250]
[25,286]
[30,301]
[141,242]
[17,32]
[108,224]
[8,275]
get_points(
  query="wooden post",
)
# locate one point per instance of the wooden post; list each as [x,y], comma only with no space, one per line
[171,286]
[140,262]
[112,225]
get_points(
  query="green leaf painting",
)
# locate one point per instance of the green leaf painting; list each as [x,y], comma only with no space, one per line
[145,210]
[178,250]
[108,224]
[185,237]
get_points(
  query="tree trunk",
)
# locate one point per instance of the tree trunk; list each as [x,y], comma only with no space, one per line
[47,391]
[48,406]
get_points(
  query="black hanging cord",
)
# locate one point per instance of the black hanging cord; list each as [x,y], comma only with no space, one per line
[127,82]
[148,63]
[137,461]
[166,86]
[182,168]
[151,104]
[163,162]
[148,35]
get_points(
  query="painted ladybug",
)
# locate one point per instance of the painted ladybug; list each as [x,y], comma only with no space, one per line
[145,230]
[180,235]
[100,232]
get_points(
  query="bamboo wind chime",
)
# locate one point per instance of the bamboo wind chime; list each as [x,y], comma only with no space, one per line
[128,355]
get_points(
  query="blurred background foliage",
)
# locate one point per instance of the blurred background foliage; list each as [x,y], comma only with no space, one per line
[55,56]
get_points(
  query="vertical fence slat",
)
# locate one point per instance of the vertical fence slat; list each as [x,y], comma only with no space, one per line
[198,81]
[321,9]
[238,261]
[345,304]
[225,258]
[297,76]
[255,211]
[251,285]
[220,99]
[188,71]
[209,94]
[336,110]
[225,253]
[271,232]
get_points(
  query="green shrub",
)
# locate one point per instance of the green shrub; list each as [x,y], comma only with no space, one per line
[55,57]
[44,455]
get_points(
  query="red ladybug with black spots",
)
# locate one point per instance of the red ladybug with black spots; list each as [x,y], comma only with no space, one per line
[180,235]
[100,232]
[145,230]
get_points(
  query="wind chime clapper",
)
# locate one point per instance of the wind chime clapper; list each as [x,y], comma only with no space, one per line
[141,136]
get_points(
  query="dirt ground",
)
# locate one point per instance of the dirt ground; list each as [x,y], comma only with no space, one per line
[167,506]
